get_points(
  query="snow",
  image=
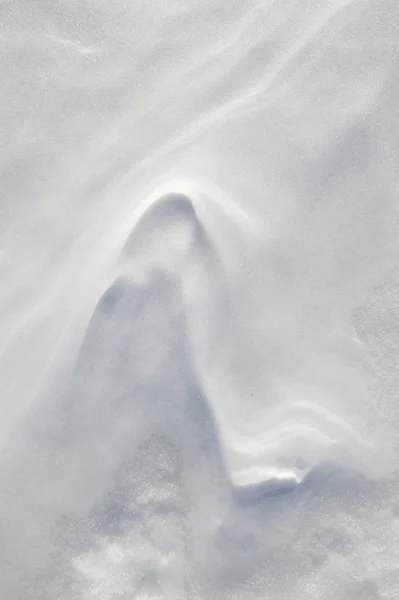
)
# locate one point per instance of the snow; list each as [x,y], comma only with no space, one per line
[200,302]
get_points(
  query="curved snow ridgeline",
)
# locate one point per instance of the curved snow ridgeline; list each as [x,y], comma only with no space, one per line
[132,470]
[199,339]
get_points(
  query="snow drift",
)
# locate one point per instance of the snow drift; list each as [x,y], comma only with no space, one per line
[199,344]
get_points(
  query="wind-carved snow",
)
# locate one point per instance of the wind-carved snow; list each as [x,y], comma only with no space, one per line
[198,344]
[178,515]
[169,240]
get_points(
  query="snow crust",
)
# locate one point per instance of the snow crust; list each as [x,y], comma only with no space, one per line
[199,339]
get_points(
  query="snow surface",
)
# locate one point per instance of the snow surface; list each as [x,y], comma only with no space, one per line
[199,341]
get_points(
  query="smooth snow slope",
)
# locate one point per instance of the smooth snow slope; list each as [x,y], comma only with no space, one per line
[200,302]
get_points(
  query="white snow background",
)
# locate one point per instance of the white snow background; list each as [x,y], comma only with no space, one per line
[199,335]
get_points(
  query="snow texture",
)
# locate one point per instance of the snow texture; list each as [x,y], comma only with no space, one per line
[199,340]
